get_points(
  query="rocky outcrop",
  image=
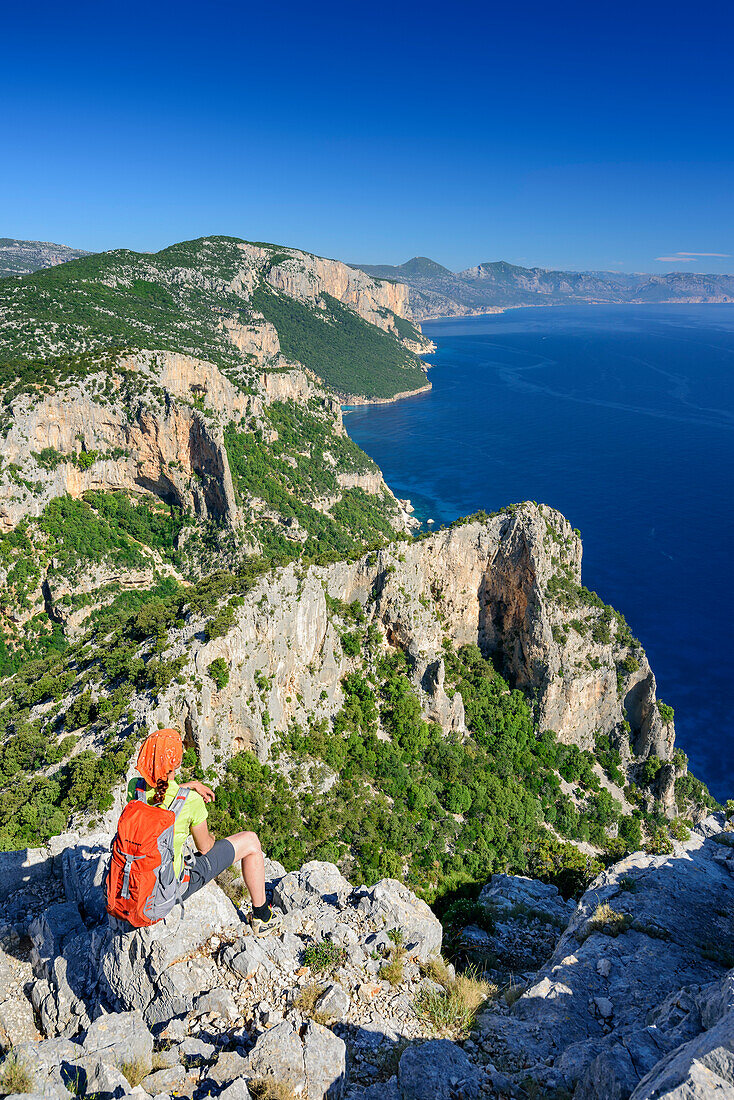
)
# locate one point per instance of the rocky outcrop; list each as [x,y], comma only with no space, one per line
[636,1000]
[148,435]
[636,985]
[484,583]
[197,1001]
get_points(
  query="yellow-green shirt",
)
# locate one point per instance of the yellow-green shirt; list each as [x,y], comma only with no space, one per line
[193,812]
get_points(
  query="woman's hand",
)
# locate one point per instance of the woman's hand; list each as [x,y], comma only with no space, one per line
[201,788]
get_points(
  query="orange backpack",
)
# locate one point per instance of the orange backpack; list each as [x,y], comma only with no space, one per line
[142,885]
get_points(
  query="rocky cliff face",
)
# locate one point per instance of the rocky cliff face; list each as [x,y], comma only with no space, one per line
[635,1000]
[484,583]
[154,424]
[241,305]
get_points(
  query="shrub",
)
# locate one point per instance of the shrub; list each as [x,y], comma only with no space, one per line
[218,670]
[322,957]
[666,713]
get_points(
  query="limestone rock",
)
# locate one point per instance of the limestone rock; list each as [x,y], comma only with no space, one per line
[325,1063]
[146,969]
[169,1080]
[439,1070]
[606,1008]
[229,1066]
[505,894]
[314,880]
[334,1002]
[398,907]
[278,1053]
[238,1090]
[120,1037]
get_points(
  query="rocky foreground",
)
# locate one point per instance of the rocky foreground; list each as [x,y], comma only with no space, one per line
[627,994]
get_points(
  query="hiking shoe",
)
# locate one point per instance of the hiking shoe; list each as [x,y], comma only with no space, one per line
[265,927]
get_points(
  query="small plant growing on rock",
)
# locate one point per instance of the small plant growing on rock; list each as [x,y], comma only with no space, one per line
[15,1075]
[268,1088]
[323,957]
[218,670]
[606,920]
[513,992]
[134,1071]
[453,1008]
[393,971]
[306,1000]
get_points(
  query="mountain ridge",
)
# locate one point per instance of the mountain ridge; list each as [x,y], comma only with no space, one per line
[19,257]
[493,286]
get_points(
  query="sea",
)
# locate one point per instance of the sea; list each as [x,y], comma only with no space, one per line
[622,417]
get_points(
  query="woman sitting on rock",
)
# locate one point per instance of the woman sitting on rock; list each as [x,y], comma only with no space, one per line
[160,756]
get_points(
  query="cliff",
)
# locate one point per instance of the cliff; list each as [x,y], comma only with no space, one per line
[484,583]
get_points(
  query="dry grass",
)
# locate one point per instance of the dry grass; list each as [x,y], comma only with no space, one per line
[393,971]
[306,1000]
[160,1061]
[607,920]
[513,992]
[454,1007]
[230,881]
[135,1070]
[268,1088]
[15,1075]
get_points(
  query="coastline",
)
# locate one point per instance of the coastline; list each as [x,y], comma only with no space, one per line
[491,311]
[349,400]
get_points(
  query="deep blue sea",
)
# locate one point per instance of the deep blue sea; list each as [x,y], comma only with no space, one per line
[622,417]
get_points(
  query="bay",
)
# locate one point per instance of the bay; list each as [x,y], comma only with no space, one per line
[622,417]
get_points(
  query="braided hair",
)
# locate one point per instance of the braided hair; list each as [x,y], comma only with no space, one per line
[160,791]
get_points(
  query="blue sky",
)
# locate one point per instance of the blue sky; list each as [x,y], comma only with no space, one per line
[563,135]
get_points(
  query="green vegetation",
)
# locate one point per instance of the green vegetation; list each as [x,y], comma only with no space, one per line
[325,956]
[351,355]
[430,808]
[16,1076]
[41,784]
[219,672]
[453,1008]
[260,472]
[125,300]
[666,713]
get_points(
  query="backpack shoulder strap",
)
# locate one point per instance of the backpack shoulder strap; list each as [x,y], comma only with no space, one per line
[140,789]
[177,804]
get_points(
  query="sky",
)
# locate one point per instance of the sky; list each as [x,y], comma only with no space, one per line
[560,135]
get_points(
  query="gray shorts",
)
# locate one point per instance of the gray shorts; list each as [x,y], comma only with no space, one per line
[205,867]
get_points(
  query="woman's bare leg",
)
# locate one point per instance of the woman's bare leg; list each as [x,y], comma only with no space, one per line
[248,851]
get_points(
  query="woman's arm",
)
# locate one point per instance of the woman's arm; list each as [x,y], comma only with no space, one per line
[201,788]
[203,839]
